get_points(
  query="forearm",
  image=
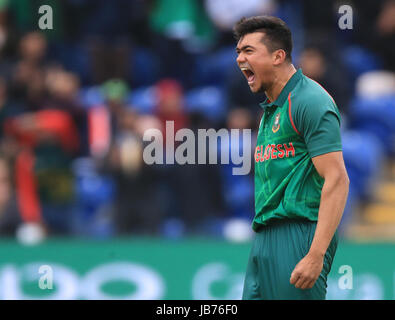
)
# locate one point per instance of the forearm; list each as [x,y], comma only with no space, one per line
[333,200]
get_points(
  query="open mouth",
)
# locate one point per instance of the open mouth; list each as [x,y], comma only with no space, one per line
[249,74]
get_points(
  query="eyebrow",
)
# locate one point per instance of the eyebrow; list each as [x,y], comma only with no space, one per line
[243,48]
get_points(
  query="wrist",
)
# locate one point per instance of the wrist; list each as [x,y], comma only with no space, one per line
[317,253]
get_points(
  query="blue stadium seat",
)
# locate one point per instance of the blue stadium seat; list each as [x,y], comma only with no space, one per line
[209,100]
[92,188]
[144,67]
[93,192]
[359,60]
[213,69]
[377,116]
[239,195]
[363,155]
[238,190]
[143,99]
[173,228]
[91,96]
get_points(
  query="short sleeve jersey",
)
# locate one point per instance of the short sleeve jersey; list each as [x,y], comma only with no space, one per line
[303,122]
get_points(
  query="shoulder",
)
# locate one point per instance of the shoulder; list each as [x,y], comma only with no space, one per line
[311,98]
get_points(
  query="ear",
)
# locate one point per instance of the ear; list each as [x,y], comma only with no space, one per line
[279,57]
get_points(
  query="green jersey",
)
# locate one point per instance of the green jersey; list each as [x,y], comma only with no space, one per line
[302,123]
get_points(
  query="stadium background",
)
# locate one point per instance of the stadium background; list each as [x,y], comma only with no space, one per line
[75,101]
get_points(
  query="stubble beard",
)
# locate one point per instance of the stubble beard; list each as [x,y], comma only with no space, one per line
[262,89]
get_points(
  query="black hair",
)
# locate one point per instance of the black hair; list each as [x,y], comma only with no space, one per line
[277,34]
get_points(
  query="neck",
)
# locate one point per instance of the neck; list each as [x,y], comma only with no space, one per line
[280,80]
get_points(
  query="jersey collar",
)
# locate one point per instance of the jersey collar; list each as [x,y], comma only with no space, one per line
[279,102]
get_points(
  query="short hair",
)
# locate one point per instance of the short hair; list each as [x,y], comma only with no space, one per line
[276,32]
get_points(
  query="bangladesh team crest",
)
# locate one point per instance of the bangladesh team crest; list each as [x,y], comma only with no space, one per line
[276,124]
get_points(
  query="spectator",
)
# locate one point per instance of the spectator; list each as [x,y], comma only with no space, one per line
[27,83]
[317,66]
[385,26]
[375,29]
[62,88]
[170,105]
[137,208]
[193,190]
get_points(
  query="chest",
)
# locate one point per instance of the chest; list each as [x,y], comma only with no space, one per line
[277,139]
[275,125]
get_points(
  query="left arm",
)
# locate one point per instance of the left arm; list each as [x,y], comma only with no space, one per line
[334,194]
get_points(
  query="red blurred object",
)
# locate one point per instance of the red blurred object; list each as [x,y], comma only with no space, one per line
[170,105]
[26,187]
[28,129]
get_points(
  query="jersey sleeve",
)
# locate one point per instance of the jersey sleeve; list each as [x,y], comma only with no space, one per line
[319,124]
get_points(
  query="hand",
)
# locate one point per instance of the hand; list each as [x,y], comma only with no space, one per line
[307,271]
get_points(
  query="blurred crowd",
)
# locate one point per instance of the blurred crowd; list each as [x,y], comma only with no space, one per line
[76,100]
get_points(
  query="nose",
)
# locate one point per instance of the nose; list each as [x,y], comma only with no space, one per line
[240,58]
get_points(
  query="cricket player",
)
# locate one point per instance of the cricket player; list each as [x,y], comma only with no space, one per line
[301,184]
